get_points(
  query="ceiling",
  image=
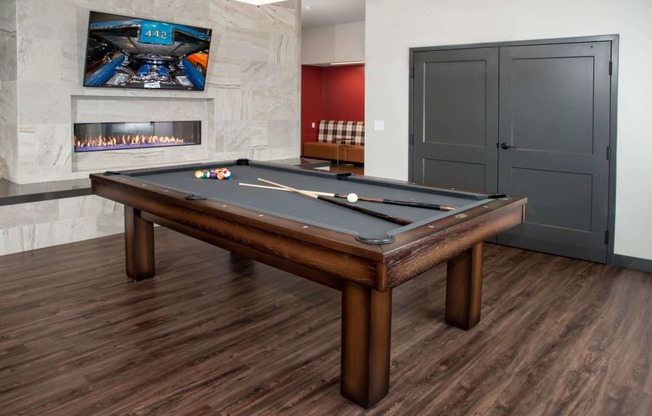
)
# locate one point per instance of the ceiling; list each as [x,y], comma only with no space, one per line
[331,12]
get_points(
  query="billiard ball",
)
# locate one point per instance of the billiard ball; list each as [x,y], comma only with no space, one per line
[352,198]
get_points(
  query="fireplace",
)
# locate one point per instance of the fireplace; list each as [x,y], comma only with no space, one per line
[92,137]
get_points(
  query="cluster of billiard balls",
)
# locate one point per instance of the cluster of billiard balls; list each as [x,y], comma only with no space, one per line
[217,173]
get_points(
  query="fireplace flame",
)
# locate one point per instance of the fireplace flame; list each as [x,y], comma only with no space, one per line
[126,140]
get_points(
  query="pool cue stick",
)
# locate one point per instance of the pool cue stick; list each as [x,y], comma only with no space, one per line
[276,188]
[334,201]
[366,198]
[404,203]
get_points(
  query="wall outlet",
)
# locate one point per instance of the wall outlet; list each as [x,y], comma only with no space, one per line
[313,124]
[379,125]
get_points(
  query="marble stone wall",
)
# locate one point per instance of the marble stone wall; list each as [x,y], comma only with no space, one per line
[8,76]
[58,221]
[250,107]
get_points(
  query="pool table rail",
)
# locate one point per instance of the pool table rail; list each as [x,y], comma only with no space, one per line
[447,237]
[313,247]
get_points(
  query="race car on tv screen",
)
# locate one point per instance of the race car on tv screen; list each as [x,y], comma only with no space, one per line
[137,53]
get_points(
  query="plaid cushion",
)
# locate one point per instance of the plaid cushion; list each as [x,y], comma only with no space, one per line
[338,131]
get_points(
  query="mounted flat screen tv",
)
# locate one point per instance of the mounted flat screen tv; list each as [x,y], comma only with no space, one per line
[128,52]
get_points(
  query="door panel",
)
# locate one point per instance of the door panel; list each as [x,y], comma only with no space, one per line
[553,102]
[455,123]
[548,205]
[451,86]
[554,120]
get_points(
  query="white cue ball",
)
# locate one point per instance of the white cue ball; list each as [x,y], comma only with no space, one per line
[352,198]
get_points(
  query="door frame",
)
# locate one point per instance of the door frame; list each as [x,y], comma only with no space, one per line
[613,118]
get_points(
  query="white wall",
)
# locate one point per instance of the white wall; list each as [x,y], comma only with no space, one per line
[394,26]
[337,43]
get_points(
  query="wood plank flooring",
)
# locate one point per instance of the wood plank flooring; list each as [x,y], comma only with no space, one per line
[215,334]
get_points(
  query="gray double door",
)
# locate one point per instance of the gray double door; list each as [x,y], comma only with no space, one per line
[531,120]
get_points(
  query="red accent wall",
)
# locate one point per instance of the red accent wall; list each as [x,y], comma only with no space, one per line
[312,102]
[330,93]
[344,93]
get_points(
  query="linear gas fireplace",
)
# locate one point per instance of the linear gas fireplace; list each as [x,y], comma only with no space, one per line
[91,137]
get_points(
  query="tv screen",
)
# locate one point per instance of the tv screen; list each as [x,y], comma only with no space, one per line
[128,52]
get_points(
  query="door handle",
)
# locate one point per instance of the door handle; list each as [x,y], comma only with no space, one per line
[506,146]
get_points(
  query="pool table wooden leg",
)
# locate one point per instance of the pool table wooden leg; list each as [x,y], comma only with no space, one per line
[139,245]
[366,335]
[464,288]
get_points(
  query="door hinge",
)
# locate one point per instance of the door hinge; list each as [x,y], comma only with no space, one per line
[608,152]
[611,68]
[411,139]
[411,72]
[606,237]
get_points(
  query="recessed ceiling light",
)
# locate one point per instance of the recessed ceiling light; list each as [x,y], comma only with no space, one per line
[260,2]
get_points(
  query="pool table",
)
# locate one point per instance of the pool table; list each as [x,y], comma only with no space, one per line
[363,256]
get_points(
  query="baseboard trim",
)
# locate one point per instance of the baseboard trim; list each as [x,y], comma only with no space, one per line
[634,263]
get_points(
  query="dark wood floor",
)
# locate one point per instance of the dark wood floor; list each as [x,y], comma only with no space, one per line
[215,334]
